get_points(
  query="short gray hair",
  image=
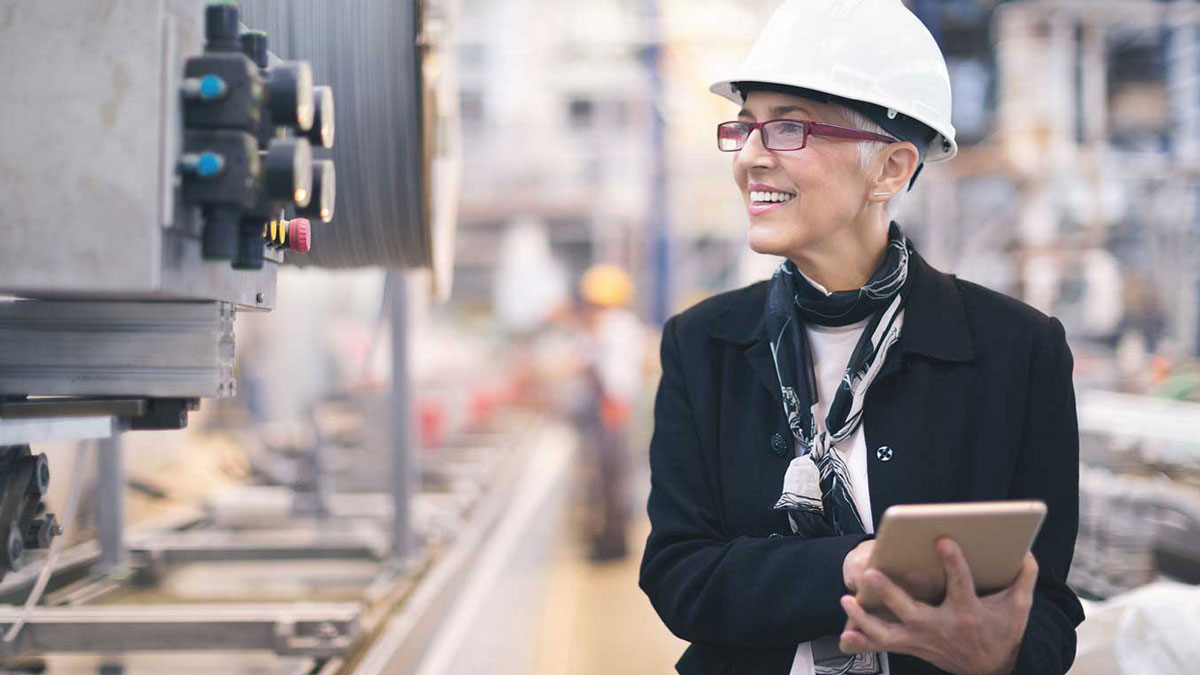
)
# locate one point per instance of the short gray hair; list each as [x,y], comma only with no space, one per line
[869,150]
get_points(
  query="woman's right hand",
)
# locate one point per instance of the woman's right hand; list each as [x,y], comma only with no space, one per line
[856,563]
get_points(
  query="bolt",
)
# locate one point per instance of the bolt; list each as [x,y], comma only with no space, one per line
[42,531]
[260,298]
[14,548]
[41,480]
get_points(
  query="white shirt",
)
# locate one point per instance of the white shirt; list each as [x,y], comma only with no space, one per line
[620,343]
[831,349]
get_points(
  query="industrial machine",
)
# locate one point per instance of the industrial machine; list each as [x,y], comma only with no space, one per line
[186,159]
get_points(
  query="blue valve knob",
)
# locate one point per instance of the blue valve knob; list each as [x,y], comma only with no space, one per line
[209,164]
[211,87]
[203,165]
[205,89]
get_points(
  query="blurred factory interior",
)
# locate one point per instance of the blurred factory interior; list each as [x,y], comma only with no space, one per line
[251,428]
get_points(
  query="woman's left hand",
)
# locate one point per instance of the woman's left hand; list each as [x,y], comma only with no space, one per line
[965,634]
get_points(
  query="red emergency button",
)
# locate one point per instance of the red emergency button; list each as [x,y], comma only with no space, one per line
[299,235]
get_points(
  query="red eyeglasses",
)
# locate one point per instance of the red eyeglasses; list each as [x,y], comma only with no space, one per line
[787,134]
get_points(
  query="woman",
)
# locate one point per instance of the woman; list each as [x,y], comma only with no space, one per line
[793,412]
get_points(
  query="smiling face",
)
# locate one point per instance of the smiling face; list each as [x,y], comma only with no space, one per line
[800,200]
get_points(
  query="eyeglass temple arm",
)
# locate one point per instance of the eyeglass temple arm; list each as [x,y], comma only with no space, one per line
[818,129]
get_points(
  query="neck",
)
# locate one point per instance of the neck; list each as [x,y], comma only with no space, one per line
[845,260]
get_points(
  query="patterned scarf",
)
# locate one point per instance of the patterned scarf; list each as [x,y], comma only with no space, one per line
[816,487]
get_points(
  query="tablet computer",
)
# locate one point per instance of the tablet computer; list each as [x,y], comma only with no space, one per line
[994,538]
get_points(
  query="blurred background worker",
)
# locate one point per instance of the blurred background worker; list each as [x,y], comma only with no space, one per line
[612,356]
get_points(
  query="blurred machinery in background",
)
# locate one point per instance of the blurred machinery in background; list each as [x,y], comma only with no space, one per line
[1078,190]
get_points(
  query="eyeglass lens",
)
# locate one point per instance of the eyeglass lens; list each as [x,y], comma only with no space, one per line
[732,136]
[777,135]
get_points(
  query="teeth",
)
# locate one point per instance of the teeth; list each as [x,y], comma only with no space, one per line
[759,196]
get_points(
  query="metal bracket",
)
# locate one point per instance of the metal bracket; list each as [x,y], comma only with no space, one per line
[138,413]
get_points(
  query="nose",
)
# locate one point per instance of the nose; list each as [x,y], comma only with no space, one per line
[754,154]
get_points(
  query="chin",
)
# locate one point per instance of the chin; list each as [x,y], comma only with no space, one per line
[763,247]
[768,240]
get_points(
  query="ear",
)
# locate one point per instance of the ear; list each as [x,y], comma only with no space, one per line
[894,168]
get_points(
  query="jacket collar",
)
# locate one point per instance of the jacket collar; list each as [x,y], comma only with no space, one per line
[935,322]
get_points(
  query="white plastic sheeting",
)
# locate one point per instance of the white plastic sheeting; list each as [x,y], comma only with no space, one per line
[1152,630]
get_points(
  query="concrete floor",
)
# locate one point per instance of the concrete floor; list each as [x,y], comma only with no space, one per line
[596,621]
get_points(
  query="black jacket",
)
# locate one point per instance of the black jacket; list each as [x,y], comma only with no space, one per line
[975,402]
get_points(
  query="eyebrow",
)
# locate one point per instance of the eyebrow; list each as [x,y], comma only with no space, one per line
[778,111]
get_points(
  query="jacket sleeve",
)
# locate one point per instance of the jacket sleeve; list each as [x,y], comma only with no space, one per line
[1048,469]
[707,585]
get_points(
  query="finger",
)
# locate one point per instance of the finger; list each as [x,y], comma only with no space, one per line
[1026,579]
[880,632]
[960,586]
[856,642]
[856,562]
[894,598]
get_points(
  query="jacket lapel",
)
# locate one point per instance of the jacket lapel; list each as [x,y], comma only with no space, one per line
[935,320]
[905,443]
[741,324]
[759,356]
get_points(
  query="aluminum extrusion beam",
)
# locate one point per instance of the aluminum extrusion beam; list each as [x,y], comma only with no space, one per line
[287,628]
[403,444]
[204,546]
[163,349]
[110,502]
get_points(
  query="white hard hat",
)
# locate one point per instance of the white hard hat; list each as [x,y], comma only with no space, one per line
[873,51]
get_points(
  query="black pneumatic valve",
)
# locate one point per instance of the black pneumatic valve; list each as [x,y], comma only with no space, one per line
[222,27]
[222,88]
[222,91]
[223,175]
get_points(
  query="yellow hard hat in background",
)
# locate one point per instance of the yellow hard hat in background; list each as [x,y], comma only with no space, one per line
[607,286]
